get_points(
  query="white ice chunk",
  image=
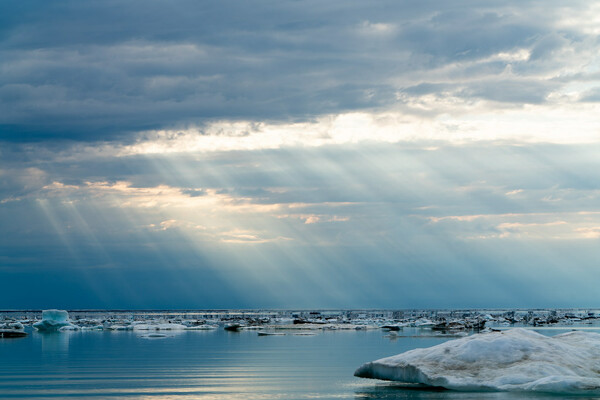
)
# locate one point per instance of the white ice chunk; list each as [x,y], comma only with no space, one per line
[52,320]
[514,360]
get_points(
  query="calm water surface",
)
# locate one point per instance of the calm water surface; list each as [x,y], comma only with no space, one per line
[209,365]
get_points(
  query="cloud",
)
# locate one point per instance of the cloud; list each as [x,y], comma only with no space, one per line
[65,76]
[532,226]
[514,192]
[349,192]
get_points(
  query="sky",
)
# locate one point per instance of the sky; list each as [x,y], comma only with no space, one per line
[299,154]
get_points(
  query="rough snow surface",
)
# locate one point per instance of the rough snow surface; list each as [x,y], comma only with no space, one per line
[52,320]
[514,360]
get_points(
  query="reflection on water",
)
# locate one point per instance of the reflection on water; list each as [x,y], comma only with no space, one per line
[210,365]
[394,391]
[55,342]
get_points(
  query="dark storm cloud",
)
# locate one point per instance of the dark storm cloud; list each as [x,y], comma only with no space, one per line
[102,70]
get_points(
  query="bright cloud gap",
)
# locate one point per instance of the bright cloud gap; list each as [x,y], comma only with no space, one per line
[517,126]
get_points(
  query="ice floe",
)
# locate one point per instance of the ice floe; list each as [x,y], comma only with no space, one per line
[513,360]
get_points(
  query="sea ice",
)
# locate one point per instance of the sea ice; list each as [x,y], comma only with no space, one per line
[514,360]
[52,320]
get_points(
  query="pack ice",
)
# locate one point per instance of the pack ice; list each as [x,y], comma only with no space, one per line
[52,320]
[514,360]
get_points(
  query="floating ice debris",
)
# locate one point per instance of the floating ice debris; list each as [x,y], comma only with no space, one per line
[514,360]
[119,327]
[204,327]
[92,328]
[52,320]
[69,328]
[11,326]
[159,327]
[198,326]
[265,333]
[423,323]
[12,330]
[87,324]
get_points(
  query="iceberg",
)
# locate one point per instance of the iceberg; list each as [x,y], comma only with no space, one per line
[52,320]
[514,360]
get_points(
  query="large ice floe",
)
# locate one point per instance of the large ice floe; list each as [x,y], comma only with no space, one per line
[513,360]
[53,320]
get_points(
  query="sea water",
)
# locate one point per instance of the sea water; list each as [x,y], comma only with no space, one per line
[212,365]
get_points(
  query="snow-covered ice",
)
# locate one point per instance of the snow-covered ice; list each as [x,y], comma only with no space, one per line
[52,320]
[514,360]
